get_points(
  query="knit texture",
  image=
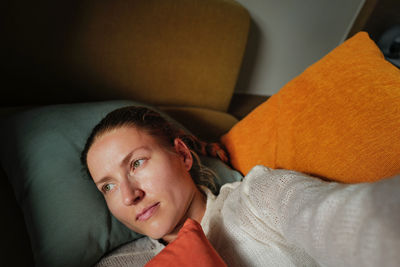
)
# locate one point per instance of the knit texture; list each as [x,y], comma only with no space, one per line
[285,218]
[135,253]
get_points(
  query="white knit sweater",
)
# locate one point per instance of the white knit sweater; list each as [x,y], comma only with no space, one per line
[284,218]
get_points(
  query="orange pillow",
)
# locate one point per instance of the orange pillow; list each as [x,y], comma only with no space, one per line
[340,119]
[190,248]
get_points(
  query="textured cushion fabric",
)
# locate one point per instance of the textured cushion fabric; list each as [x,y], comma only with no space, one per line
[162,52]
[340,119]
[190,248]
[67,219]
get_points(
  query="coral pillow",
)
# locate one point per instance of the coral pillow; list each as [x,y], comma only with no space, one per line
[190,248]
[340,119]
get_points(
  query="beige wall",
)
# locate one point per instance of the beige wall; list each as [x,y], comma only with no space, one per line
[289,35]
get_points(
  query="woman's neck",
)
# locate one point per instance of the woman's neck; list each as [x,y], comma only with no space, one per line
[196,210]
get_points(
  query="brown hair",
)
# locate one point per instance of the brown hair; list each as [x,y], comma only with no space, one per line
[166,132]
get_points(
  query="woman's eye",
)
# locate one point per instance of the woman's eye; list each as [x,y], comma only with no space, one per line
[108,187]
[137,163]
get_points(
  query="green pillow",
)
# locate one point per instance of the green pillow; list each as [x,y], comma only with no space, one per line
[67,218]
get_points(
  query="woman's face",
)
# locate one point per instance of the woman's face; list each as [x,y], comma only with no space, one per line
[146,186]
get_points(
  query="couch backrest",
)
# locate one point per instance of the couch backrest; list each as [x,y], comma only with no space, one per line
[163,52]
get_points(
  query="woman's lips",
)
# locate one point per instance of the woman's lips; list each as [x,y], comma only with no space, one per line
[147,212]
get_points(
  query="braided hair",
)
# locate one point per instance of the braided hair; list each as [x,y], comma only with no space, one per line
[166,132]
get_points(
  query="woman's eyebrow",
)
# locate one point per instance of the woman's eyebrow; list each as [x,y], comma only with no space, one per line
[102,180]
[123,162]
[130,154]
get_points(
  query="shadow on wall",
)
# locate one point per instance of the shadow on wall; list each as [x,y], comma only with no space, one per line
[251,55]
[36,33]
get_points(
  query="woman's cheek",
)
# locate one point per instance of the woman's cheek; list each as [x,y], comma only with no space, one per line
[114,201]
[149,179]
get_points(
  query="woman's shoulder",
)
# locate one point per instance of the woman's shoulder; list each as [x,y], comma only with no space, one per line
[261,178]
[258,174]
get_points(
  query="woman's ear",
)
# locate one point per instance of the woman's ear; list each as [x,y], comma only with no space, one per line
[183,150]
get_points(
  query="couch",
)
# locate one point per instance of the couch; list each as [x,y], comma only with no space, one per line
[182,56]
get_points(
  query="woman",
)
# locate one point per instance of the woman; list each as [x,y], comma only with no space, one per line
[139,160]
[152,181]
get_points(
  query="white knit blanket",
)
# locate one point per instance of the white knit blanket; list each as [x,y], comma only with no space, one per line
[285,218]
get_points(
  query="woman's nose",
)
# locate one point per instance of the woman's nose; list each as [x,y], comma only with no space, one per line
[131,194]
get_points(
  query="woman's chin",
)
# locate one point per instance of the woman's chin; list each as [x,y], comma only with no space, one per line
[157,233]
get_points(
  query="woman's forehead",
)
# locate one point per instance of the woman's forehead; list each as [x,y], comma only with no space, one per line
[128,137]
[114,146]
[121,135]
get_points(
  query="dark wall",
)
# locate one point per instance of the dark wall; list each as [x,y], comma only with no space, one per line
[385,14]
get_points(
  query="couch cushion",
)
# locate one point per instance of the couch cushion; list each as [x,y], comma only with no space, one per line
[340,119]
[162,52]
